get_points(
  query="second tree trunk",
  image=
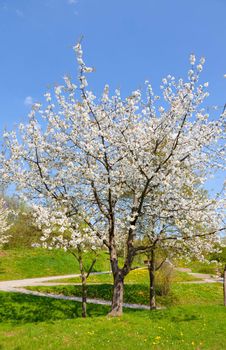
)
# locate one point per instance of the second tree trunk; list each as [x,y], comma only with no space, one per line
[151,269]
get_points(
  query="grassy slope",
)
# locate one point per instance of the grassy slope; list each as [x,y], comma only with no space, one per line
[42,323]
[17,264]
[37,262]
[211,268]
[26,263]
[200,267]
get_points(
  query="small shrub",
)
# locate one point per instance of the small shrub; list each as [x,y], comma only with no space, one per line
[164,278]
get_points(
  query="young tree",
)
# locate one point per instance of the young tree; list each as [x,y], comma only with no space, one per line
[69,232]
[171,249]
[185,224]
[4,222]
[109,158]
[224,286]
[220,258]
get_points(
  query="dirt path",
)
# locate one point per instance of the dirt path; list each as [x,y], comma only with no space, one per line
[39,281]
[204,277]
[63,297]
[18,286]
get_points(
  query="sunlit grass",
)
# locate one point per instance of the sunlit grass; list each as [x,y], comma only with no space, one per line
[137,276]
[180,294]
[27,263]
[39,323]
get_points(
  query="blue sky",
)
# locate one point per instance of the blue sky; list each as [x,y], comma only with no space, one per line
[127,41]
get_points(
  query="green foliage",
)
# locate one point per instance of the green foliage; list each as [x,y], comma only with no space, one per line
[23,232]
[164,279]
[220,257]
[214,265]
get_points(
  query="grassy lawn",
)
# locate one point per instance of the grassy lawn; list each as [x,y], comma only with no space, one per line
[211,268]
[194,318]
[135,277]
[26,263]
[37,323]
[201,267]
[180,294]
[137,289]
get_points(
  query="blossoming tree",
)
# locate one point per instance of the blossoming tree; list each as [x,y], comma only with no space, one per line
[179,223]
[61,229]
[174,237]
[4,222]
[110,159]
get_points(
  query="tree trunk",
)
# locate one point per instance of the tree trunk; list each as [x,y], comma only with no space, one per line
[151,269]
[84,287]
[224,282]
[119,274]
[84,295]
[117,299]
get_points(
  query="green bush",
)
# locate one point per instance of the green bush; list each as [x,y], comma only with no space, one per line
[23,233]
[164,279]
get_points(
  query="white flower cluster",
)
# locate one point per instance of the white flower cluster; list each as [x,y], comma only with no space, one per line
[4,222]
[63,231]
[113,159]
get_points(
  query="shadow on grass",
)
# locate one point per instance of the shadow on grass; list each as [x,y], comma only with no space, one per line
[133,293]
[21,308]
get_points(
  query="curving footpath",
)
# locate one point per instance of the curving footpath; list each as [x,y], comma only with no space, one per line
[19,286]
[203,277]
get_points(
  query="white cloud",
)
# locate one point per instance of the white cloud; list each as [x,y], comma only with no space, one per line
[28,101]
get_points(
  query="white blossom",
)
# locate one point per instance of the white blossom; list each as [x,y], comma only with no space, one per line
[4,222]
[99,163]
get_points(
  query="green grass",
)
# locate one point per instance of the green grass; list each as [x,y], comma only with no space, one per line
[194,318]
[22,308]
[212,267]
[26,263]
[200,267]
[180,294]
[180,276]
[35,323]
[135,277]
[38,262]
